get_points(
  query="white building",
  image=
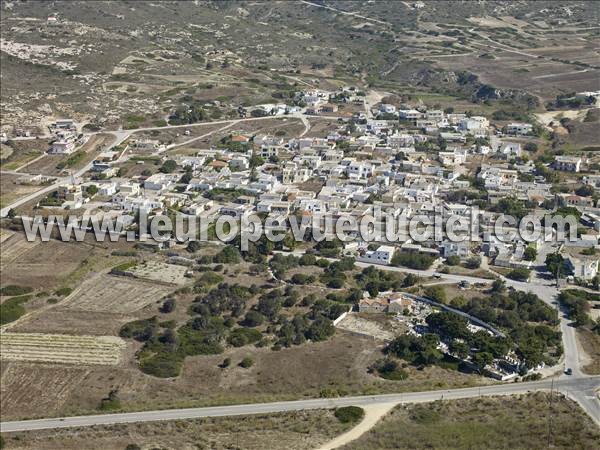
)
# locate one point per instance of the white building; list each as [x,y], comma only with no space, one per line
[360,170]
[159,181]
[383,255]
[585,268]
[519,128]
[387,109]
[473,124]
[567,163]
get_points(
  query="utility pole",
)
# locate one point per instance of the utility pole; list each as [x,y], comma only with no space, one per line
[550,413]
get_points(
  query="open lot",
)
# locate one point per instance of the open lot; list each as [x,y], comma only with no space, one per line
[55,348]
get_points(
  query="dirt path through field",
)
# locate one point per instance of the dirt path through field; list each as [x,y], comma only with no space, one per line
[372,415]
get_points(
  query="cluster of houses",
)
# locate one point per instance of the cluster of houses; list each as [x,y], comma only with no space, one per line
[410,160]
[65,137]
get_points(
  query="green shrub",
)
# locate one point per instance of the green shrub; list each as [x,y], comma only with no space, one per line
[247,362]
[163,364]
[123,267]
[453,260]
[349,414]
[209,279]
[436,293]
[110,403]
[12,309]
[412,260]
[519,274]
[63,292]
[244,336]
[12,289]
[140,330]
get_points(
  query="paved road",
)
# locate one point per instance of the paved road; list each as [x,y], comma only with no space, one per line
[119,137]
[586,386]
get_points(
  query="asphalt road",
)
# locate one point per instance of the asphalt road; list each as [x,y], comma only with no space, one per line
[584,386]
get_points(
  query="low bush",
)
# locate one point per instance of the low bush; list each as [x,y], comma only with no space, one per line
[349,414]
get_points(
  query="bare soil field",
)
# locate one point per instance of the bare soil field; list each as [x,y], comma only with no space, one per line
[293,431]
[11,191]
[40,264]
[29,389]
[320,127]
[382,327]
[545,78]
[13,248]
[64,349]
[107,293]
[177,135]
[291,126]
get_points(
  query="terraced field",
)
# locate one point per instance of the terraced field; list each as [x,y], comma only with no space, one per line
[64,349]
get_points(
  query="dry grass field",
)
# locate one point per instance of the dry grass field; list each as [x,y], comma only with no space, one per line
[63,349]
[336,367]
[63,320]
[290,431]
[11,191]
[32,389]
[42,265]
[590,342]
[107,293]
[518,422]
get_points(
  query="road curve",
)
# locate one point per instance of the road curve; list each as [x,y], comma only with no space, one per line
[582,387]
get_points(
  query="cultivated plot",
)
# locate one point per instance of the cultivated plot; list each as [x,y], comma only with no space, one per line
[63,349]
[157,271]
[107,293]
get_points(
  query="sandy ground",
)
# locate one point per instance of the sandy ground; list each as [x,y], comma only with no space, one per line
[554,116]
[372,415]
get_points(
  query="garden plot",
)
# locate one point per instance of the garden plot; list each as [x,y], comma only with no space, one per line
[157,271]
[107,293]
[61,348]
